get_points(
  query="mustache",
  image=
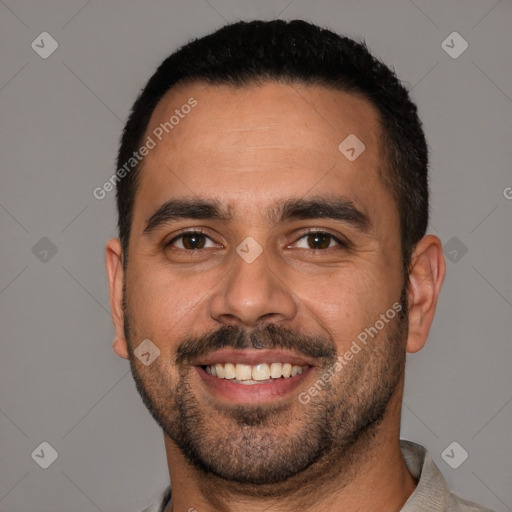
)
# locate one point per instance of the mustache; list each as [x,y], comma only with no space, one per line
[271,336]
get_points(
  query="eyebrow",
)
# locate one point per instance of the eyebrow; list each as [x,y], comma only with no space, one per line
[177,209]
[338,209]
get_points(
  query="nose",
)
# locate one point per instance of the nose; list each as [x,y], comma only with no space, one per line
[251,294]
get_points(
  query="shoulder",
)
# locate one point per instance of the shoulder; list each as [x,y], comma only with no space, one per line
[432,492]
[458,504]
[161,502]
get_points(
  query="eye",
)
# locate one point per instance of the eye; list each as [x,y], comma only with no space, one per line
[319,240]
[191,240]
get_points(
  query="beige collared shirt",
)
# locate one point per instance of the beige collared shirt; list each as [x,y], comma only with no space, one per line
[431,494]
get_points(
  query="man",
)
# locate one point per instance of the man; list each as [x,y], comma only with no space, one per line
[272,271]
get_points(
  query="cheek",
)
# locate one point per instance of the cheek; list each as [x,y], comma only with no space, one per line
[162,306]
[345,303]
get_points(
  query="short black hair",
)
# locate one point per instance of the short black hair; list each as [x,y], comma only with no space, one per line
[246,53]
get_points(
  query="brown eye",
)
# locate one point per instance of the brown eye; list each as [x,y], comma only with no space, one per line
[192,240]
[319,240]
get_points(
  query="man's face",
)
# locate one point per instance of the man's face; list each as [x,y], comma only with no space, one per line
[261,275]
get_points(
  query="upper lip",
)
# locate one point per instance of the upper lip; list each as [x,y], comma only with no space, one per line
[252,357]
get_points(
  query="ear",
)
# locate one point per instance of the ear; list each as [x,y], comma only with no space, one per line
[426,277]
[115,274]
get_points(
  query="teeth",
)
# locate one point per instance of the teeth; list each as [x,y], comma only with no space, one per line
[220,371]
[247,374]
[276,370]
[296,370]
[243,372]
[229,371]
[261,372]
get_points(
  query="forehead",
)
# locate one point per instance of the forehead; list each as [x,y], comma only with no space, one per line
[256,143]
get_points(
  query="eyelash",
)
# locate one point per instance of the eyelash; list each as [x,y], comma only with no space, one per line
[341,243]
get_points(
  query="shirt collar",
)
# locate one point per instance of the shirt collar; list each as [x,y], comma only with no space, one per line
[432,491]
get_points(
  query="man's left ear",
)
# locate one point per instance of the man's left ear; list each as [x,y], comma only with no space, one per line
[426,277]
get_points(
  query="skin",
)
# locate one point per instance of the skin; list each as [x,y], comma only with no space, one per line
[251,149]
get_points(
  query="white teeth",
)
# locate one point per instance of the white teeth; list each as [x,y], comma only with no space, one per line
[243,372]
[276,370]
[220,371]
[296,370]
[229,371]
[261,372]
[252,374]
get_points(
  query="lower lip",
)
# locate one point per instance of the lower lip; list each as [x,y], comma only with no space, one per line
[252,393]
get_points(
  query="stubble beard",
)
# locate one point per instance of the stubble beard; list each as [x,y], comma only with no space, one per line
[269,450]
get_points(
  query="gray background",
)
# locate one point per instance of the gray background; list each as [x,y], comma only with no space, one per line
[60,381]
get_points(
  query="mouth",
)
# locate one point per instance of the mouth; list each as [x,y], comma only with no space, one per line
[252,376]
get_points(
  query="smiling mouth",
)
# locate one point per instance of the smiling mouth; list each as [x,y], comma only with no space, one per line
[253,376]
[247,374]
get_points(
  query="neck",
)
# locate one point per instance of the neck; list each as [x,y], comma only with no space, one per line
[371,476]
